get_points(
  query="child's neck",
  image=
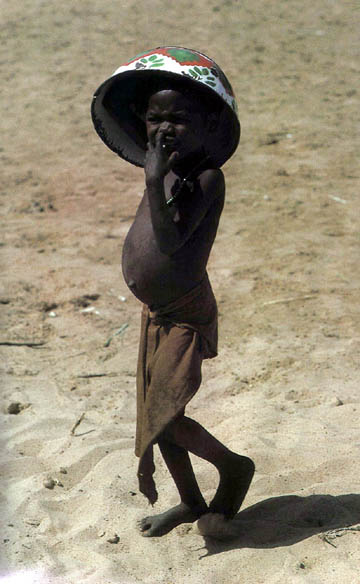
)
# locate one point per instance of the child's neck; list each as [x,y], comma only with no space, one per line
[185,166]
[199,163]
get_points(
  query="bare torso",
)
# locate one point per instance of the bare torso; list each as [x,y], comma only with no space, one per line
[156,278]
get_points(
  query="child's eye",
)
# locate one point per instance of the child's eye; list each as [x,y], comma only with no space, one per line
[180,121]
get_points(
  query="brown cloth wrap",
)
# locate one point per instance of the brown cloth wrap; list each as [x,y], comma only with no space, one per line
[174,340]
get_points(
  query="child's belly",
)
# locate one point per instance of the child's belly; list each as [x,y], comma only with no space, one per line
[155,278]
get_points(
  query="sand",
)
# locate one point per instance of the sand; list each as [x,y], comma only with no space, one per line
[284,389]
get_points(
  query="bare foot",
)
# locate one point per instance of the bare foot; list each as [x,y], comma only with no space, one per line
[235,478]
[158,525]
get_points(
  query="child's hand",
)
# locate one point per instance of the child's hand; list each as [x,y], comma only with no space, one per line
[159,159]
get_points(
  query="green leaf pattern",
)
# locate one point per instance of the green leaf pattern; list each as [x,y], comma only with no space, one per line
[196,72]
[154,61]
[203,74]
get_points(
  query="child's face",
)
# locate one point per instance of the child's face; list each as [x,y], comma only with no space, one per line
[178,119]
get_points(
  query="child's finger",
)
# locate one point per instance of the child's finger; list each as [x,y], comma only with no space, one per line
[159,140]
[173,158]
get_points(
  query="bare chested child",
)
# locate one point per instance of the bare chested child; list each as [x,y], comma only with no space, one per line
[186,132]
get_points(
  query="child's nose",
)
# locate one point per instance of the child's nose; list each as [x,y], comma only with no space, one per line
[166,126]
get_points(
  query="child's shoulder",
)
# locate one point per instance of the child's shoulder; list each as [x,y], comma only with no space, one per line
[212,183]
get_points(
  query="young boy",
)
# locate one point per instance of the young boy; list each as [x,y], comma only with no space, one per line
[186,129]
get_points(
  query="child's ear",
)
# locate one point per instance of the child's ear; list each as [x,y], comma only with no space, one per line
[212,122]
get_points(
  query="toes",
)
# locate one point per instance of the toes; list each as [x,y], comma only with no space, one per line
[147,533]
[148,527]
[144,524]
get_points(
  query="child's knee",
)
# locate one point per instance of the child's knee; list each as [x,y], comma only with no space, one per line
[249,465]
[169,431]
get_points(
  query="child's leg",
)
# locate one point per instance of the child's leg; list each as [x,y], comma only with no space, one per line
[235,471]
[192,504]
[178,462]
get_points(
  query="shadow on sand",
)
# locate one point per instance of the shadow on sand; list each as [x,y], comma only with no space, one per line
[280,521]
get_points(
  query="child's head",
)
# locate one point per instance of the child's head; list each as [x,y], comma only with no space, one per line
[178,121]
[120,105]
[186,117]
[207,105]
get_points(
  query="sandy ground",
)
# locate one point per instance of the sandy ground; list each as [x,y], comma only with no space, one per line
[285,386]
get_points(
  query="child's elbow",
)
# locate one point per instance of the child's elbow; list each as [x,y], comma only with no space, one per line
[169,243]
[168,248]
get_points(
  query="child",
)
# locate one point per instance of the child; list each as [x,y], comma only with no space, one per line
[172,111]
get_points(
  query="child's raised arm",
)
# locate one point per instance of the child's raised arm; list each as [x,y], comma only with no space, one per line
[209,187]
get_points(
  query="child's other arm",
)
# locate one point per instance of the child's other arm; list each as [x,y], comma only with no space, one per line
[209,187]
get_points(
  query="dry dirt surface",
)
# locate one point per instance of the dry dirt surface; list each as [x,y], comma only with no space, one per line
[285,270]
